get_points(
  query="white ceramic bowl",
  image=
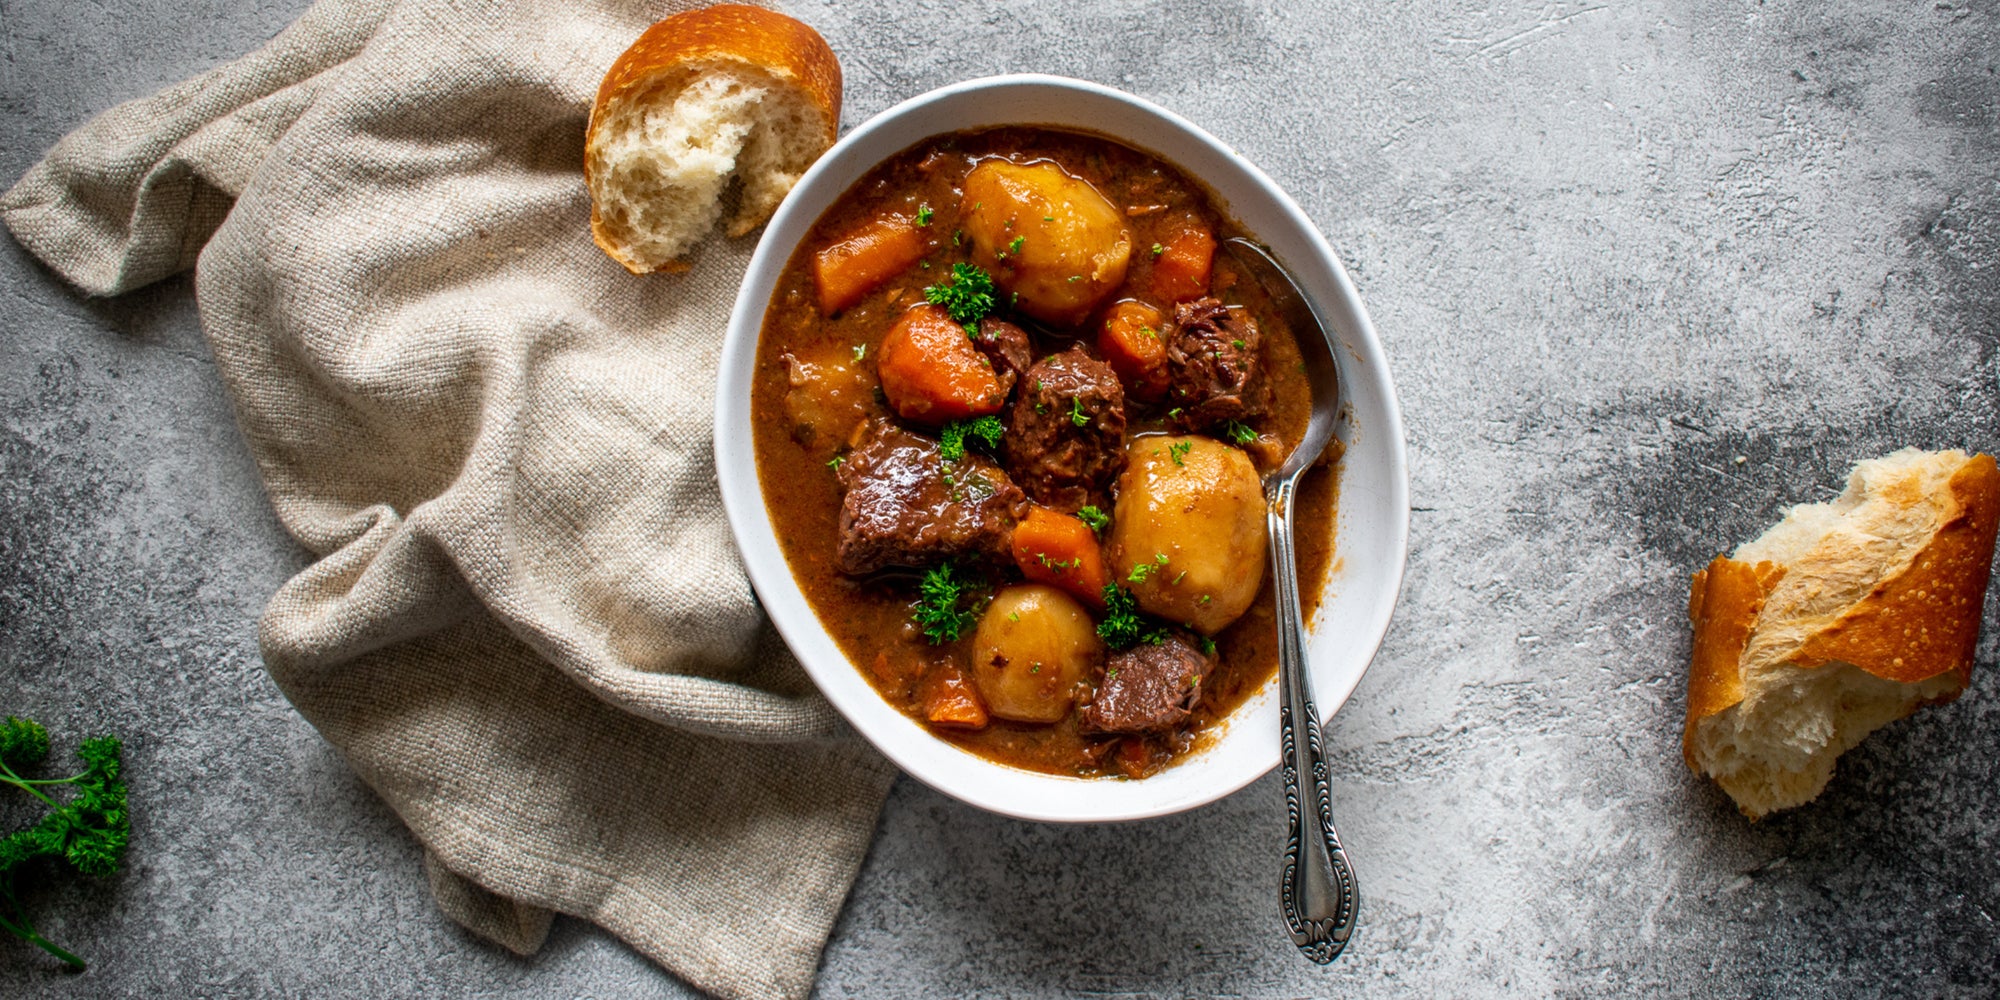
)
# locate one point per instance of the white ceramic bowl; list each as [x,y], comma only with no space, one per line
[1373,517]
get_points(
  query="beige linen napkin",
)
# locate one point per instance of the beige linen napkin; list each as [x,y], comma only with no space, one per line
[527,627]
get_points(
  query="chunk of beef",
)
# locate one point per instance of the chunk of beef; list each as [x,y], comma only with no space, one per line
[1066,433]
[1215,366]
[1007,346]
[1149,688]
[905,506]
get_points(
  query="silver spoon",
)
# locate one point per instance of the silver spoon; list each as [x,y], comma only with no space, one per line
[1318,893]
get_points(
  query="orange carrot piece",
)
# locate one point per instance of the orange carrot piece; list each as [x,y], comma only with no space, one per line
[931,372]
[1180,272]
[855,264]
[1131,342]
[952,701]
[1061,551]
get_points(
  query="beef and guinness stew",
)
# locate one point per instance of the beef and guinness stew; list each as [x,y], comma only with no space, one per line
[1011,412]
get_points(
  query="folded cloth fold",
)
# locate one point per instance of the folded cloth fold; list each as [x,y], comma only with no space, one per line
[527,628]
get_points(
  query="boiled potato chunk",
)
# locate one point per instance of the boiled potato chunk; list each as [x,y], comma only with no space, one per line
[1047,237]
[1033,650]
[1190,526]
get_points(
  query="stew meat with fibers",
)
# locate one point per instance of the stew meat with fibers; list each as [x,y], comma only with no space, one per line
[1011,411]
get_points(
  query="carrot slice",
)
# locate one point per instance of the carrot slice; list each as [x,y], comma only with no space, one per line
[931,372]
[952,701]
[1131,342]
[1181,270]
[854,265]
[1060,550]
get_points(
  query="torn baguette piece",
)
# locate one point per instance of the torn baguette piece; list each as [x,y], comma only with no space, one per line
[1842,618]
[701,97]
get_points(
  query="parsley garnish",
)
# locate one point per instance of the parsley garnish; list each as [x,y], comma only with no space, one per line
[835,461]
[89,829]
[924,214]
[1139,572]
[1208,647]
[1123,626]
[860,351]
[1239,432]
[1091,515]
[1175,451]
[1158,249]
[968,296]
[951,440]
[1076,414]
[939,598]
[1015,247]
[1237,344]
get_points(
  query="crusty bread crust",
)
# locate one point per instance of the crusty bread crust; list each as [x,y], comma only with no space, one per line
[1925,621]
[1723,604]
[788,51]
[1845,617]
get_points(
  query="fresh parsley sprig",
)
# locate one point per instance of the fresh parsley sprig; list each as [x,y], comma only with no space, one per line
[942,609]
[89,829]
[951,440]
[1124,626]
[967,295]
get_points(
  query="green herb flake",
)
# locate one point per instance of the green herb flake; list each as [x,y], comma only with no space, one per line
[1093,516]
[1076,414]
[1015,246]
[1158,249]
[835,461]
[1239,432]
[1177,451]
[1139,572]
[924,214]
[1238,344]
[860,351]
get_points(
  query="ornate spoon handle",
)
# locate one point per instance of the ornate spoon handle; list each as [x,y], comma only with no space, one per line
[1319,894]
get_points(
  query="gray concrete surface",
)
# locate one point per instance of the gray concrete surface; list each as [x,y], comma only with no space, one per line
[1646,273]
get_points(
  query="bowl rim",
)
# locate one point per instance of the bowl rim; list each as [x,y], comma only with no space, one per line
[778,590]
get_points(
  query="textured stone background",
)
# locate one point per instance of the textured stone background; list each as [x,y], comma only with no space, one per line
[1647,273]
